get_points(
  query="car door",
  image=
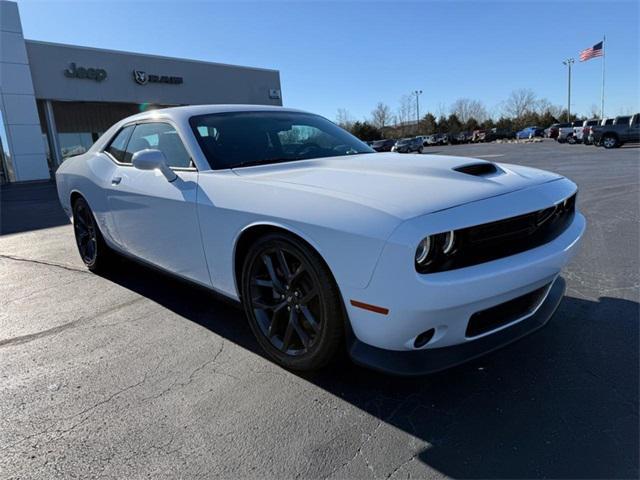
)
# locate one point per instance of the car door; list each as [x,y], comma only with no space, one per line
[634,129]
[156,220]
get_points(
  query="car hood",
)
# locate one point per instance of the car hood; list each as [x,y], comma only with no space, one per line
[402,185]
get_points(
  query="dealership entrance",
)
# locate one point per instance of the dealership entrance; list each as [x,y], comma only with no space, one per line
[56,100]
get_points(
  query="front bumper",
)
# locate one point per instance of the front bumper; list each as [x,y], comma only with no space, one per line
[444,303]
[422,362]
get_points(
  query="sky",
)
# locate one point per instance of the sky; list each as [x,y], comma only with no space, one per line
[352,55]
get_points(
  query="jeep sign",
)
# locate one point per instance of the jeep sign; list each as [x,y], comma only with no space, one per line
[96,74]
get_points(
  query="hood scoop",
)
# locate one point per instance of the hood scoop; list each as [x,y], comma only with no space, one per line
[479,169]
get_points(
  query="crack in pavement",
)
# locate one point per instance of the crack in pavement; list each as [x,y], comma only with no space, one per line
[65,326]
[104,401]
[192,375]
[48,264]
[369,437]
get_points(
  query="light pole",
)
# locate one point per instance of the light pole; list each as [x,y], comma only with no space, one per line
[417,93]
[568,62]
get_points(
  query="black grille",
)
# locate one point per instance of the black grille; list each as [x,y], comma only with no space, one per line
[490,241]
[505,313]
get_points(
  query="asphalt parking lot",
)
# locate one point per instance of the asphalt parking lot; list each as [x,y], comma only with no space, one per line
[136,374]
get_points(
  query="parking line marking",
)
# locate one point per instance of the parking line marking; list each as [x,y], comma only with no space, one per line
[491,155]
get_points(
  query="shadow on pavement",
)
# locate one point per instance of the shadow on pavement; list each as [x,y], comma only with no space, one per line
[561,403]
[29,206]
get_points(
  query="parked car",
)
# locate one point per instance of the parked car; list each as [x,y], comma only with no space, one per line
[383,145]
[603,122]
[581,133]
[555,128]
[432,140]
[445,138]
[478,136]
[464,137]
[408,145]
[530,132]
[624,129]
[494,134]
[565,130]
[327,246]
[461,137]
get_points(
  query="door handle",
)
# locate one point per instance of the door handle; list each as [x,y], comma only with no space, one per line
[116,180]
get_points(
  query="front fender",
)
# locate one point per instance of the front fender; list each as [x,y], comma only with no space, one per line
[348,236]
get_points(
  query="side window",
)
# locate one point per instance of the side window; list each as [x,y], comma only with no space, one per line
[119,143]
[159,136]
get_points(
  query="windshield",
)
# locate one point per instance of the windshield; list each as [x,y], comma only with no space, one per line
[236,139]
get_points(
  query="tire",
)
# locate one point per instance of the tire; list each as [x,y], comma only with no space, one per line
[571,140]
[421,150]
[292,303]
[609,141]
[92,248]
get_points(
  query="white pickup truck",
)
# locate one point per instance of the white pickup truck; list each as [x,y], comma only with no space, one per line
[581,132]
[565,132]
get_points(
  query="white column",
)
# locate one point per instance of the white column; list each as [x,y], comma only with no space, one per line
[17,101]
[52,129]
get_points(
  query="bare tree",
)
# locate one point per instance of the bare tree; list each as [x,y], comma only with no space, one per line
[344,118]
[594,111]
[381,116]
[545,106]
[466,109]
[520,102]
[406,110]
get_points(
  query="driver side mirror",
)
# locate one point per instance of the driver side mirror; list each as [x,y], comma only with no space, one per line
[153,160]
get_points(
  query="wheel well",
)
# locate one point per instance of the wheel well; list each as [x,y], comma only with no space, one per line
[250,236]
[74,196]
[610,134]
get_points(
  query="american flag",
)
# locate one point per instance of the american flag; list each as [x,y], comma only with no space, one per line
[592,52]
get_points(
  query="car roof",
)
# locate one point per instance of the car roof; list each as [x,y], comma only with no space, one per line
[186,112]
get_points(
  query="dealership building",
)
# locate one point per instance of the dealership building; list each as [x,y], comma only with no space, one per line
[56,100]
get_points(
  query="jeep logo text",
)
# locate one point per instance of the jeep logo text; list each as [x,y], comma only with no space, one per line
[97,74]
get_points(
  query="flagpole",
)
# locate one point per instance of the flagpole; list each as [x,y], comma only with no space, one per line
[604,37]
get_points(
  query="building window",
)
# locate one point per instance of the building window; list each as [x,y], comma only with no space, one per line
[6,162]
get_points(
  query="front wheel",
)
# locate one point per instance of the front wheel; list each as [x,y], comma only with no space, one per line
[292,303]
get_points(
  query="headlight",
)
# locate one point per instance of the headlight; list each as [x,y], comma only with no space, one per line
[449,242]
[423,251]
[434,248]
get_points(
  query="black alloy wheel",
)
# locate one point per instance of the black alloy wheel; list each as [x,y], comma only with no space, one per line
[91,246]
[292,303]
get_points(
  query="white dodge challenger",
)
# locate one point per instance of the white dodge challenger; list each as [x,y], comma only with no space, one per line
[413,263]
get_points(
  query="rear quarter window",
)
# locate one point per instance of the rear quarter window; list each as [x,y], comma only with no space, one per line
[118,145]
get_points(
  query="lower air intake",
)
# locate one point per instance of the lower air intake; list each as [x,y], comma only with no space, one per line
[495,317]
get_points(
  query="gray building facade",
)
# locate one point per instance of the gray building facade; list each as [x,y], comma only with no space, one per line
[56,100]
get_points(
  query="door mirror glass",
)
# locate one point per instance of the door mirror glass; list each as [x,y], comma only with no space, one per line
[153,160]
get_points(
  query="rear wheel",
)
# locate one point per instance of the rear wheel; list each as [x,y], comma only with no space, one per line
[609,141]
[571,140]
[292,303]
[91,246]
